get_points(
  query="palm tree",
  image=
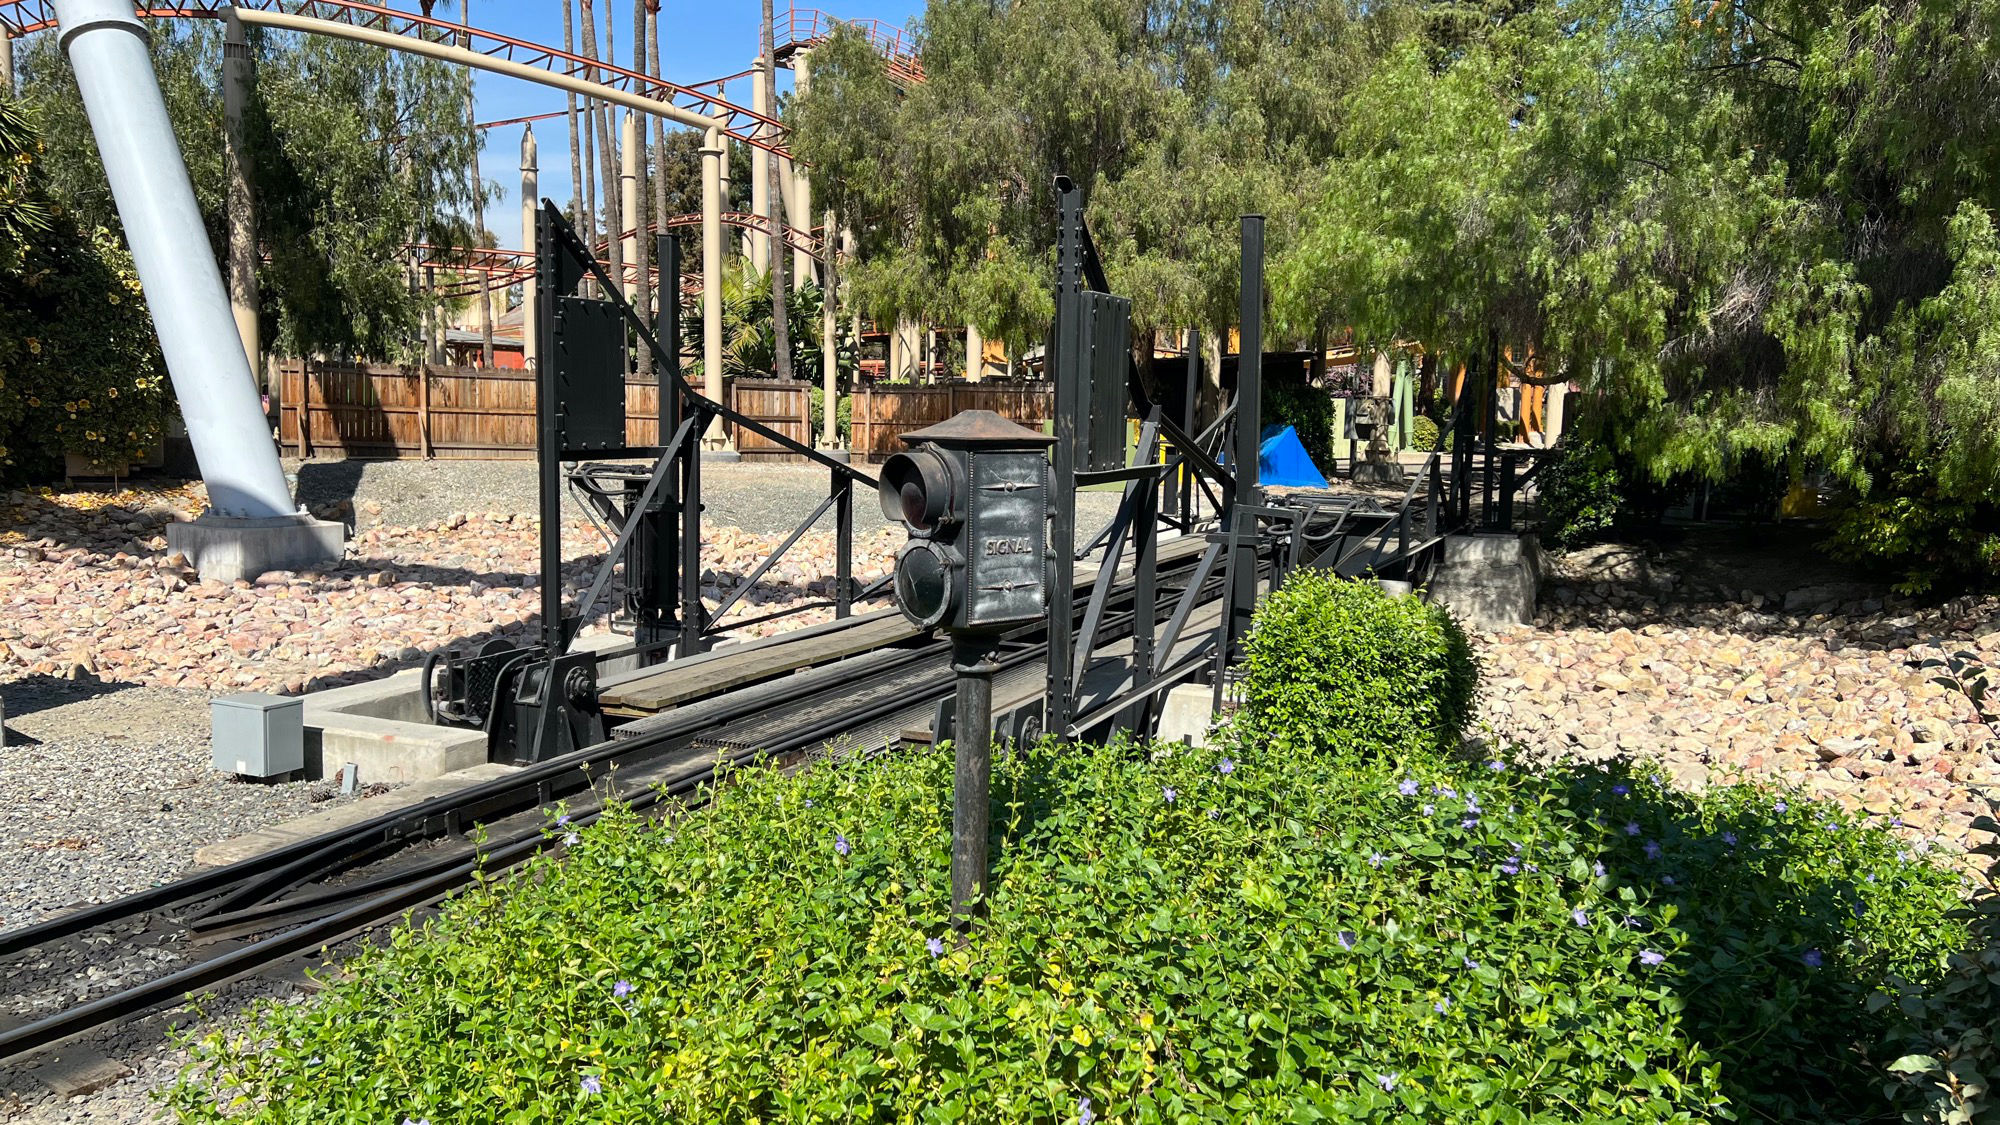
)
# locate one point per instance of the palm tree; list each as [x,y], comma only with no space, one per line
[581,206]
[780,322]
[607,150]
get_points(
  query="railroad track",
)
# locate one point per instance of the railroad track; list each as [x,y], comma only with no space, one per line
[232,922]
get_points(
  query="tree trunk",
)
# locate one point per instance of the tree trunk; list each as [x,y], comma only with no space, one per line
[670,287]
[581,203]
[781,335]
[607,155]
[642,242]
[478,198]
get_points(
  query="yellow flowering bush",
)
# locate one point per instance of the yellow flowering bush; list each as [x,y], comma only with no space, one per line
[79,368]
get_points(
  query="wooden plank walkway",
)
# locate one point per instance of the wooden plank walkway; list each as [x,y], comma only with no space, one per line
[679,682]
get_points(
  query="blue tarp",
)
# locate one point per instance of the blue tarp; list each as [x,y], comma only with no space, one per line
[1283,461]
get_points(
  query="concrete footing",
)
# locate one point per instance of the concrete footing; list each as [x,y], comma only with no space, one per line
[380,726]
[1188,714]
[223,549]
[841,455]
[720,456]
[1373,470]
[1490,581]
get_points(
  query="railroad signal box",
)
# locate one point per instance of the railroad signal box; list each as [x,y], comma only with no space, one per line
[973,491]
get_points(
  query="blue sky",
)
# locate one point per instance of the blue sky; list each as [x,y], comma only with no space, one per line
[698,41]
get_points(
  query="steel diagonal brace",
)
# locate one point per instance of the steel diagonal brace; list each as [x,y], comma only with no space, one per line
[633,518]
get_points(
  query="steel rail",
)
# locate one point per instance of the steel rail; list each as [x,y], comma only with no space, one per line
[331,915]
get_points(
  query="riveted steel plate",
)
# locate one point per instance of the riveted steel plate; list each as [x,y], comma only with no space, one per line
[589,376]
[1006,538]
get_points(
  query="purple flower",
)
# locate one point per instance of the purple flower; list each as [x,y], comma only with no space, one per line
[1215,814]
[1579,917]
[1648,957]
[1597,869]
[1652,849]
[1169,794]
[591,1085]
[1813,958]
[1729,838]
[1375,859]
[1469,822]
[1621,789]
[1895,822]
[1510,866]
[418,1121]
[1442,1006]
[1471,965]
[809,802]
[1471,803]
[1496,765]
[563,820]
[1408,788]
[1667,879]
[1429,809]
[1387,1081]
[1083,1114]
[621,990]
[1345,938]
[1780,807]
[1444,791]
[1631,828]
[840,843]
[1225,767]
[936,946]
[571,839]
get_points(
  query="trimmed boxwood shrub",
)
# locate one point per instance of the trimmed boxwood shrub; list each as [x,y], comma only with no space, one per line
[1336,664]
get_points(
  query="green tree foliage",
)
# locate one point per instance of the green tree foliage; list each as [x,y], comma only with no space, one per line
[79,372]
[355,153]
[1762,231]
[748,341]
[1175,118]
[1755,231]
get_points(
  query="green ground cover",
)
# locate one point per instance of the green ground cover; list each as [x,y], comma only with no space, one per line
[1340,927]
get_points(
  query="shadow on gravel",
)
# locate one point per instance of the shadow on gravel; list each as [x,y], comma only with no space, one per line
[33,693]
[323,483]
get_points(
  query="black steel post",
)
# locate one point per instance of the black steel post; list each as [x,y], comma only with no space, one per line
[547,439]
[1069,370]
[694,618]
[1489,413]
[1249,422]
[1190,419]
[1509,465]
[972,770]
[663,580]
[843,545]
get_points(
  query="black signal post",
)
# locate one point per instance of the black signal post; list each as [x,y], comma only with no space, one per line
[973,491]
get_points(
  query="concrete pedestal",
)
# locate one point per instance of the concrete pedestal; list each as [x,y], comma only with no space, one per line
[1383,471]
[225,549]
[1490,580]
[1188,714]
[724,456]
[841,455]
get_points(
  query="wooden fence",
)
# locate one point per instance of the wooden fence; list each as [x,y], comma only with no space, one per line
[883,414]
[419,410]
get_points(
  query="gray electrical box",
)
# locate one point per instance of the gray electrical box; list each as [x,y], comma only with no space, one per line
[258,735]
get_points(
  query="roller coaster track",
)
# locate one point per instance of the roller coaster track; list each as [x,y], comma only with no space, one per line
[501,268]
[25,17]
